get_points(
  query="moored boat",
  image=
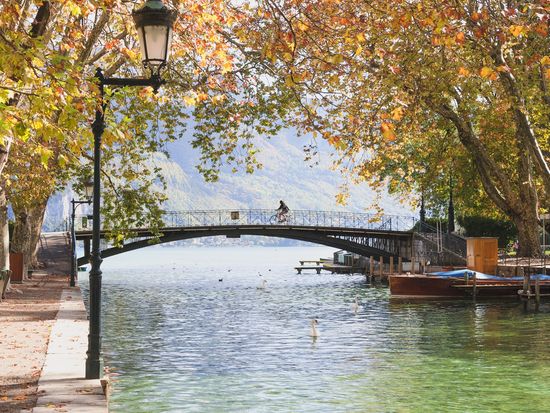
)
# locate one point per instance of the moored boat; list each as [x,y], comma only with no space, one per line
[460,284]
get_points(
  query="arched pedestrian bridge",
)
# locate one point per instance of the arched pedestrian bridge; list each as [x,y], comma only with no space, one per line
[360,233]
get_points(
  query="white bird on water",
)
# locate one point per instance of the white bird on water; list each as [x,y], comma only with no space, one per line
[355,305]
[314,333]
[262,285]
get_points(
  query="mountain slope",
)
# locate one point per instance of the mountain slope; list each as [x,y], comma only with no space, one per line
[285,175]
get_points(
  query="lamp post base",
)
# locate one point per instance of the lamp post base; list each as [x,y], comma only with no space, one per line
[94,366]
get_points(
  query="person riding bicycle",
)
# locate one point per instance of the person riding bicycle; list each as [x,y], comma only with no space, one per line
[282,211]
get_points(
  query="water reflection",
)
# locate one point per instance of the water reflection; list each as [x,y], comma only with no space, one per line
[180,340]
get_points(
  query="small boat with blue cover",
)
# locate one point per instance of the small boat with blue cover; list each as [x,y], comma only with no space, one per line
[460,284]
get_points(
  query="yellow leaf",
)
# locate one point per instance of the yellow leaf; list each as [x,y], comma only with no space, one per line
[516,30]
[335,59]
[486,72]
[387,131]
[267,52]
[227,66]
[334,80]
[463,71]
[360,37]
[218,98]
[545,60]
[241,34]
[397,113]
[303,27]
[332,139]
[298,77]
[75,9]
[45,155]
[287,57]
[547,73]
[288,81]
[189,100]
[37,62]
[341,199]
[62,160]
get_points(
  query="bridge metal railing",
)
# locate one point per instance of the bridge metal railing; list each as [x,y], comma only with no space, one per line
[440,247]
[338,219]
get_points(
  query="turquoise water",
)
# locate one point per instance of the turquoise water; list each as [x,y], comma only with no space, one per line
[179,340]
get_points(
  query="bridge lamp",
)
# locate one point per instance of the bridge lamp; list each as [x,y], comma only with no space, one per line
[88,189]
[154,23]
[88,193]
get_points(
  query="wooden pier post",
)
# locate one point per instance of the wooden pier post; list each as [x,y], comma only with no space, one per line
[381,266]
[391,264]
[371,267]
[474,288]
[537,293]
[526,288]
[399,265]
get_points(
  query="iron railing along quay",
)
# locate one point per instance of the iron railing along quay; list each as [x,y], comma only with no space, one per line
[440,247]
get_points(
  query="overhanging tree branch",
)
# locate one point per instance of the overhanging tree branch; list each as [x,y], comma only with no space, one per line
[523,123]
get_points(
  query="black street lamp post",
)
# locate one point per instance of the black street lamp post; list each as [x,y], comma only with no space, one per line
[451,209]
[154,23]
[88,189]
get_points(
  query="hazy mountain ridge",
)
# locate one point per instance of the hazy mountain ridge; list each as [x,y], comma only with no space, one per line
[285,175]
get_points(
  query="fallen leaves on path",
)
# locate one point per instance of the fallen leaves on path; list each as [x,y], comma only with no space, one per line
[26,315]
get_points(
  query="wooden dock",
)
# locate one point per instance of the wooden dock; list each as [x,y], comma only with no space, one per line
[333,268]
[309,267]
[316,262]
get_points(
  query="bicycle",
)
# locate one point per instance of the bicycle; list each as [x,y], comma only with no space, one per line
[279,218]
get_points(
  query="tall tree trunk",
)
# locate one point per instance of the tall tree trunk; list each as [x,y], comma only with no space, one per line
[517,198]
[527,220]
[4,233]
[21,239]
[36,217]
[4,239]
[4,152]
[26,234]
[528,235]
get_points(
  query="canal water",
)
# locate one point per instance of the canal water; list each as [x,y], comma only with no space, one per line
[188,330]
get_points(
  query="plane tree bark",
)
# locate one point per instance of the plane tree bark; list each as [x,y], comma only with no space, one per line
[517,200]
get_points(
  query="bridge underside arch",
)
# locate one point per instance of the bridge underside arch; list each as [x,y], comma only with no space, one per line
[362,243]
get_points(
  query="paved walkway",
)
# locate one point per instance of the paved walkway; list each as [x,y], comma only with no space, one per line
[62,387]
[55,252]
